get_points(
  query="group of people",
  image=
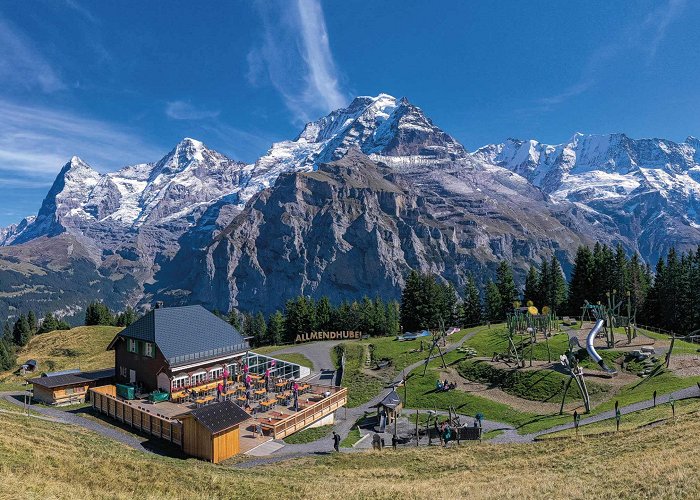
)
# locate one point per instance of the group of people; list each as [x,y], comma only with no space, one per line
[444,386]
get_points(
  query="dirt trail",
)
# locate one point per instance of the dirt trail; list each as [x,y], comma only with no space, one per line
[497,395]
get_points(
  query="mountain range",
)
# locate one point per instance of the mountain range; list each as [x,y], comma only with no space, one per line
[345,209]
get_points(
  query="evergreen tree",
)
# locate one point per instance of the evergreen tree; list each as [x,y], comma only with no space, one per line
[494,302]
[31,319]
[125,318]
[393,326]
[581,285]
[48,324]
[556,293]
[299,317]
[638,282]
[7,355]
[544,285]
[259,329]
[530,293]
[97,313]
[248,327]
[506,287]
[63,325]
[275,328]
[410,295]
[234,319]
[21,332]
[323,314]
[7,333]
[472,303]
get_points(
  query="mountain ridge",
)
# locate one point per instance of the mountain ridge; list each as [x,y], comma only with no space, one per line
[162,221]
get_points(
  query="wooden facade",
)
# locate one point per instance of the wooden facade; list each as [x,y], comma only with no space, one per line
[198,441]
[61,395]
[104,400]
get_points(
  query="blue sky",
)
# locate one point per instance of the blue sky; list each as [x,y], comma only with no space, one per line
[122,82]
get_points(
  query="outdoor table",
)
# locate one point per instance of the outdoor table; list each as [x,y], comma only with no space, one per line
[267,404]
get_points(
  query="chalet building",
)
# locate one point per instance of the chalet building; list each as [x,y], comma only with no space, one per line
[68,386]
[176,348]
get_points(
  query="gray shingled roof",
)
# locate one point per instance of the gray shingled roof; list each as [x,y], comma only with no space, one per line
[391,400]
[219,417]
[71,378]
[186,334]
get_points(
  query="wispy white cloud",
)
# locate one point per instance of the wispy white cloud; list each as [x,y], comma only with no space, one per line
[35,142]
[83,11]
[22,65]
[658,22]
[295,57]
[646,35]
[181,110]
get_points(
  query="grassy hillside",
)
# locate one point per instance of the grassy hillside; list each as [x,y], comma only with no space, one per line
[83,347]
[41,459]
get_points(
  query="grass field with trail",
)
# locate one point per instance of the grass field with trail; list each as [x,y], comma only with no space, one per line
[83,347]
[41,459]
[362,384]
[634,422]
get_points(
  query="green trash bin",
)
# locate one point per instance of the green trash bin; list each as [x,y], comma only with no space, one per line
[158,396]
[126,391]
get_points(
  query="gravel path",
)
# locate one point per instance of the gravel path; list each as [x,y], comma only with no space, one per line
[689,392]
[66,417]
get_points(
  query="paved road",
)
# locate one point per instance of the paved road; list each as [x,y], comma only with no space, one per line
[319,353]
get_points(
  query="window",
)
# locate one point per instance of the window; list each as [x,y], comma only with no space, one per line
[149,349]
[122,371]
[199,377]
[132,346]
[180,382]
[216,373]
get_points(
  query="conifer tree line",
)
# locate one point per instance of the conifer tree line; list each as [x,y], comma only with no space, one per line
[97,313]
[303,314]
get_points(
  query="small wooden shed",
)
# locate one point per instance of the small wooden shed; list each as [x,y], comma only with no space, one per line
[68,387]
[212,432]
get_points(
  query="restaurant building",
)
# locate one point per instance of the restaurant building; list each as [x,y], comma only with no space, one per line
[173,349]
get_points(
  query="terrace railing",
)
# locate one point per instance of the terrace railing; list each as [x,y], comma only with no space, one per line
[104,399]
[310,414]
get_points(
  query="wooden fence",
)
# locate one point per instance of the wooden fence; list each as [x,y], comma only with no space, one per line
[105,401]
[309,415]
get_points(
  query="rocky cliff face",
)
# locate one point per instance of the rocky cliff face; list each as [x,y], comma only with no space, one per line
[355,227]
[345,209]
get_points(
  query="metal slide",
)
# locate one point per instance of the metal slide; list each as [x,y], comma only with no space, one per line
[591,350]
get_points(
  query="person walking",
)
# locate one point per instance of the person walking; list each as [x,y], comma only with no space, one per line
[336,441]
[376,442]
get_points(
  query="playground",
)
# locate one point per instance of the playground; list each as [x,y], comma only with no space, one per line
[532,376]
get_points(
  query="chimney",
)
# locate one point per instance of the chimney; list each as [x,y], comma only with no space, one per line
[159,304]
